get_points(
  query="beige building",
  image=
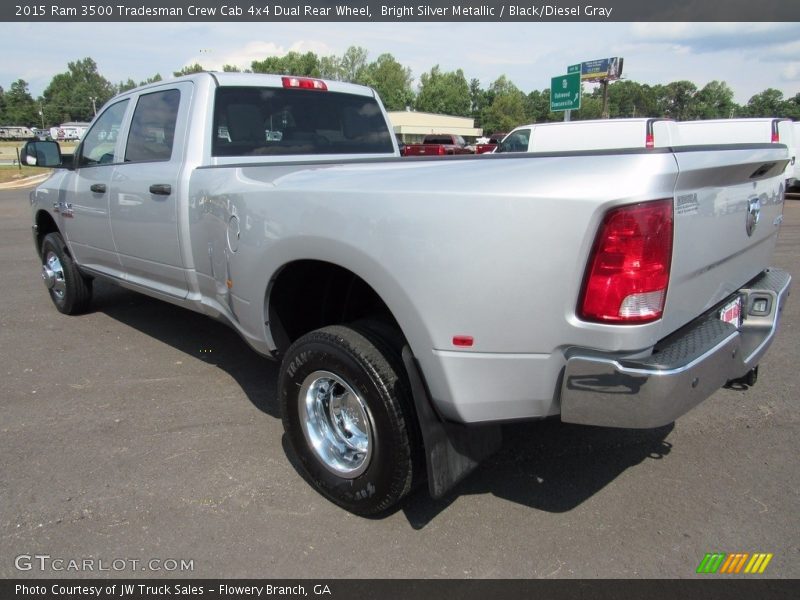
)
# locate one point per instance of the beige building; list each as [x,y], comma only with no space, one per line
[412,126]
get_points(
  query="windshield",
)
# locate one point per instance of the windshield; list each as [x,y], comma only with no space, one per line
[516,141]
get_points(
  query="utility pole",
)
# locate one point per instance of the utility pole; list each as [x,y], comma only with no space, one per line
[94,104]
[41,113]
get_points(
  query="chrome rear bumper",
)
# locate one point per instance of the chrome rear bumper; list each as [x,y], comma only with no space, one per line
[684,369]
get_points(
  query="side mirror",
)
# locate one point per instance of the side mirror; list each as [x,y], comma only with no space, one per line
[41,154]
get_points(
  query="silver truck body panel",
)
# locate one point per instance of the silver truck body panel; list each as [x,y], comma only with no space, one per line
[490,247]
[424,247]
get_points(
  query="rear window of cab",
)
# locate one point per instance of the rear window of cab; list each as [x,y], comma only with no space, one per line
[254,121]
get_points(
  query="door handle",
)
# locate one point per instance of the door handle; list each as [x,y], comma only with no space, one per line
[98,188]
[162,189]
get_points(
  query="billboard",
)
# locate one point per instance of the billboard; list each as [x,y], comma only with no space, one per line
[602,68]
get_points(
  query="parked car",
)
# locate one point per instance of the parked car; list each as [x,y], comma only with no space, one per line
[439,145]
[416,305]
[601,134]
[41,134]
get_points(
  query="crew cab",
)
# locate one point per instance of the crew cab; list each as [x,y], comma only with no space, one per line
[439,145]
[413,304]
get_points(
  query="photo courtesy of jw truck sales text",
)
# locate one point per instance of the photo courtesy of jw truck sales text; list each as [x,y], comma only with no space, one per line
[142,590]
[391,368]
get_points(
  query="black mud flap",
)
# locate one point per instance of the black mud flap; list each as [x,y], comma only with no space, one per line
[452,451]
[746,381]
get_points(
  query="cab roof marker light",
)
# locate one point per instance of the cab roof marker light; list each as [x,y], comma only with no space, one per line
[304,83]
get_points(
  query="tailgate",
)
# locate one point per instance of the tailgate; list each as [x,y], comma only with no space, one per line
[728,210]
[424,150]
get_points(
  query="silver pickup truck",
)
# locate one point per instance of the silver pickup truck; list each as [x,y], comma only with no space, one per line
[416,304]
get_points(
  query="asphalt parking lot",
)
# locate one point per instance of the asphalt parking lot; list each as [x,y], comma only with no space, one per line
[141,431]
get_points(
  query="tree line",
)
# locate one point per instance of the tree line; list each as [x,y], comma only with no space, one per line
[77,93]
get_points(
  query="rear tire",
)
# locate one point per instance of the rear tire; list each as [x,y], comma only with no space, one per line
[348,416]
[70,291]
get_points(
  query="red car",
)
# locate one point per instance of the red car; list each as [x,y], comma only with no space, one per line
[439,145]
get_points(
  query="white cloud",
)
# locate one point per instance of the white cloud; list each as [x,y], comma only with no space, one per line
[791,73]
[691,31]
[712,37]
[256,50]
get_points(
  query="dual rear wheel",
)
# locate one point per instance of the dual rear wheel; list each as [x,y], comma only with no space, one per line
[348,415]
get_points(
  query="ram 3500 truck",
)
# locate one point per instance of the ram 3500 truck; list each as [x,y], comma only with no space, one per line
[415,304]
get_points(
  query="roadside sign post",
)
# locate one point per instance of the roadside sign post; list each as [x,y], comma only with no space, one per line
[605,114]
[602,71]
[571,69]
[565,93]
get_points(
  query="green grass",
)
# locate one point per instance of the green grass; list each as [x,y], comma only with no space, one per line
[8,149]
[7,144]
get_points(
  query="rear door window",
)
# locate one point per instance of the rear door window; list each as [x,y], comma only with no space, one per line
[251,121]
[153,127]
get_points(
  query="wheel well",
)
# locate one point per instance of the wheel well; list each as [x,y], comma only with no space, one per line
[44,225]
[310,294]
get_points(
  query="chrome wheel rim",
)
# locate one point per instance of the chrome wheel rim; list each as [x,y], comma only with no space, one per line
[336,423]
[53,275]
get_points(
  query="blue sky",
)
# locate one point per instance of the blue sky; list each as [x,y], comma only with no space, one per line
[748,56]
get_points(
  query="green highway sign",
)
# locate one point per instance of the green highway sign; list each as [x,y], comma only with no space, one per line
[565,92]
[574,68]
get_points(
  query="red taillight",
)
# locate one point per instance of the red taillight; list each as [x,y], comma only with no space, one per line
[440,150]
[628,271]
[649,141]
[776,137]
[304,83]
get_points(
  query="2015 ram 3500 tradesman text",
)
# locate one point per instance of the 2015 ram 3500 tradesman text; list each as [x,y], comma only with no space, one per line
[410,299]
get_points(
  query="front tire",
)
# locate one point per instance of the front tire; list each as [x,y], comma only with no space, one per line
[70,291]
[348,416]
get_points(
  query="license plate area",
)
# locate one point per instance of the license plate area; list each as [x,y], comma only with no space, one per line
[732,312]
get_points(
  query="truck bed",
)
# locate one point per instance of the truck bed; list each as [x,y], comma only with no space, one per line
[504,266]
